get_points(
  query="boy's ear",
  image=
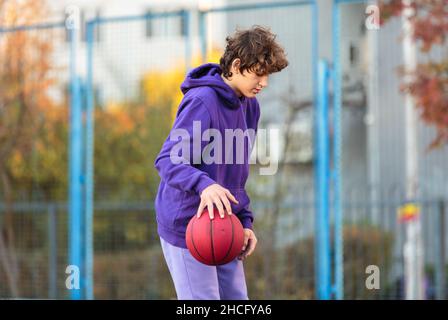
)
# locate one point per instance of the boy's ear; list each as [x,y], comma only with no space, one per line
[236,65]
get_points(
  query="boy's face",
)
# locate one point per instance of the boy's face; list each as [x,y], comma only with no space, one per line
[248,83]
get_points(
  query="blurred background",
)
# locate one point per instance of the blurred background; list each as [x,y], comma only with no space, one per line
[88,94]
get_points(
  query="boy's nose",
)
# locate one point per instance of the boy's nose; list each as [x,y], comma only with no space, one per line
[264,81]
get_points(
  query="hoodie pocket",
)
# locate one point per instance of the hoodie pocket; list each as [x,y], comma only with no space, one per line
[188,207]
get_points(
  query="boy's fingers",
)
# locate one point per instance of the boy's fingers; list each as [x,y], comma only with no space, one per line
[243,249]
[246,252]
[231,197]
[218,205]
[226,204]
[210,210]
[246,240]
[251,247]
[220,208]
[200,209]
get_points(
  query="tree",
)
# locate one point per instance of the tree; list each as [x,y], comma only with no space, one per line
[24,82]
[429,84]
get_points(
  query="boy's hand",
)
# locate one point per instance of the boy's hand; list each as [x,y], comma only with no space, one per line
[217,195]
[250,242]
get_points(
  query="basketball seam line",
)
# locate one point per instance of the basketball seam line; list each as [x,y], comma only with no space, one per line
[192,240]
[211,241]
[231,243]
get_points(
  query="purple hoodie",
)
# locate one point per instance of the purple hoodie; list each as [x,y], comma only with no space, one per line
[208,99]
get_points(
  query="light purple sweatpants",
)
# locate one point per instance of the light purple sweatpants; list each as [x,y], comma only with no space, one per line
[196,281]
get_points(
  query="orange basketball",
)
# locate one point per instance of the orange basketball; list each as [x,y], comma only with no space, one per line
[215,242]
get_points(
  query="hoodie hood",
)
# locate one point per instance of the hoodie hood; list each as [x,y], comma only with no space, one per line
[209,75]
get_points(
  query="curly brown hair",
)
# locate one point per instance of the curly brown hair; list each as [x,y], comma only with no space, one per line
[257,49]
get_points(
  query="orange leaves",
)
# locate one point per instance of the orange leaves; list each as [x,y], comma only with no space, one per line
[429,87]
[389,9]
[33,124]
[429,84]
[117,118]
[19,12]
[430,20]
[431,31]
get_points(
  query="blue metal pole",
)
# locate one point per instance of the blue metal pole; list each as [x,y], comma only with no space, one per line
[89,142]
[37,26]
[154,15]
[338,214]
[261,5]
[75,167]
[322,188]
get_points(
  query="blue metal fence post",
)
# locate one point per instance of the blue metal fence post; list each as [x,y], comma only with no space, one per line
[75,167]
[322,174]
[89,142]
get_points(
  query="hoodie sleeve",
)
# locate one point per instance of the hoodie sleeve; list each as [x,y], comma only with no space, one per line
[245,215]
[181,174]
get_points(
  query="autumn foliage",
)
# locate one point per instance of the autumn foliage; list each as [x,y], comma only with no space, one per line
[429,84]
